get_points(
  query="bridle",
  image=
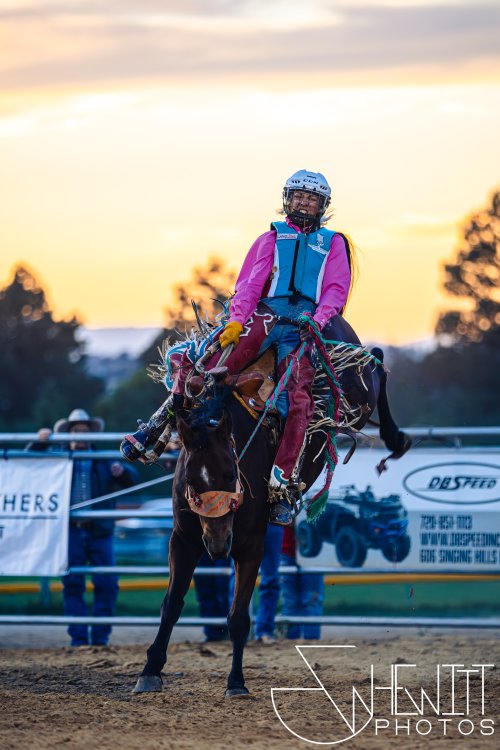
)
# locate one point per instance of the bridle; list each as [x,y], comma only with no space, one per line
[199,368]
[217,503]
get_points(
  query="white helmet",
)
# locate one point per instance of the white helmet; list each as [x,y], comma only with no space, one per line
[311,182]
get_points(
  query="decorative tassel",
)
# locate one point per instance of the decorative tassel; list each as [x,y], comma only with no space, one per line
[316,504]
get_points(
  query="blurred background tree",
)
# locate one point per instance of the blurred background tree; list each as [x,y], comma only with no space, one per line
[139,396]
[209,287]
[42,367]
[457,383]
[474,278]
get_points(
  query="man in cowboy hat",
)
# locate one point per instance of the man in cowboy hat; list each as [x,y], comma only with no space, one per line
[89,541]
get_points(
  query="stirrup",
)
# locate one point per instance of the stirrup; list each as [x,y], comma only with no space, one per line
[290,493]
[286,503]
[281,513]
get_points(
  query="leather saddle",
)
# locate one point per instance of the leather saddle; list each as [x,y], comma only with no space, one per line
[254,384]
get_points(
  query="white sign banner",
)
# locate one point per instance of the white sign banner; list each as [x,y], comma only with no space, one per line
[434,509]
[34,516]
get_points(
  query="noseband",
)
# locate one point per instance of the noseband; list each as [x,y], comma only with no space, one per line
[216,503]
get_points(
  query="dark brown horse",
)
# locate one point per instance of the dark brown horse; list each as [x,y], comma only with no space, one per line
[213,435]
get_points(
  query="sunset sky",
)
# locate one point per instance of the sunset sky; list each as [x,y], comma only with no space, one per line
[138,139]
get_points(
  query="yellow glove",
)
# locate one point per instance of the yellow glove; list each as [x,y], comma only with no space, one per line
[230,334]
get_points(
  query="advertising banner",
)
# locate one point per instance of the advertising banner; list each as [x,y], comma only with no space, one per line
[34,516]
[432,510]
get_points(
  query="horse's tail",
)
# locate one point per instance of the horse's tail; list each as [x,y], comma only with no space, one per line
[395,439]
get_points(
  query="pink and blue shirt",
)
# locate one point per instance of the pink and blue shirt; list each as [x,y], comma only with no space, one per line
[284,260]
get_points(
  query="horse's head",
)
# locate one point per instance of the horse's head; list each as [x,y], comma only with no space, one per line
[212,482]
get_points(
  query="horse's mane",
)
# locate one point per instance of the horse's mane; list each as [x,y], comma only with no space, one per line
[208,411]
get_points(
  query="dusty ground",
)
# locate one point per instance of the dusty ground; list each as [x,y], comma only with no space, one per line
[81,698]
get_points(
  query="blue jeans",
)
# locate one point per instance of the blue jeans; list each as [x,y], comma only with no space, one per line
[302,594]
[83,548]
[285,338]
[213,595]
[269,588]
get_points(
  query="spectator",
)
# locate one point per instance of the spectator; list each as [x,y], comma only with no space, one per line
[90,541]
[302,593]
[214,597]
[269,587]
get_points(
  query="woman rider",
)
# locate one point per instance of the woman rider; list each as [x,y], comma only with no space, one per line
[296,267]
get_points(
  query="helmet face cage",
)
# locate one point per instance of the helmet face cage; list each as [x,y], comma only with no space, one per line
[308,182]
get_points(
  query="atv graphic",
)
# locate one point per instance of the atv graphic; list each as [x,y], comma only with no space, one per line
[355,522]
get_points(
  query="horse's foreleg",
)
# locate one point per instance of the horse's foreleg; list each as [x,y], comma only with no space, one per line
[182,562]
[238,622]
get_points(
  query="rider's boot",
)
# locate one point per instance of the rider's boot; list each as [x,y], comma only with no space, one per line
[150,440]
[281,512]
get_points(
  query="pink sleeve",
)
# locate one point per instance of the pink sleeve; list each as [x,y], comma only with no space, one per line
[336,282]
[253,276]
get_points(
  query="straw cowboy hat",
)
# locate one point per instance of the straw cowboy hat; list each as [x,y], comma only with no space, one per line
[77,416]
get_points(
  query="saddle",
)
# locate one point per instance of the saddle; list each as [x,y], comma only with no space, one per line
[254,384]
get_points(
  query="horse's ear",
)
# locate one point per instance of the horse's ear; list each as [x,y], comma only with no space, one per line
[185,432]
[220,378]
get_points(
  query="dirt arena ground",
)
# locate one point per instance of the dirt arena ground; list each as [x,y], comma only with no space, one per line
[81,698]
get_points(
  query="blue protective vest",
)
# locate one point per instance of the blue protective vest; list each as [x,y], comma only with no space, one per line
[299,262]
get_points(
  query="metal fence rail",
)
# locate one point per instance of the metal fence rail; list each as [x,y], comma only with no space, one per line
[404,622]
[429,432]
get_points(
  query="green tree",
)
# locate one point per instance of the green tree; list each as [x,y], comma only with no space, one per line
[474,278]
[139,395]
[42,368]
[209,287]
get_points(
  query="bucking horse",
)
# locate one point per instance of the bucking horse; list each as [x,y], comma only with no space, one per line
[229,439]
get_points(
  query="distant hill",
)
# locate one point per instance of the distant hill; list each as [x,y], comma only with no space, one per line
[113,342]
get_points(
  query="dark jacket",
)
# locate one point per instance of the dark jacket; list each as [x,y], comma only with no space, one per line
[102,483]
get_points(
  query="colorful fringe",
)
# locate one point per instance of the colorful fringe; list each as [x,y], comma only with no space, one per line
[316,505]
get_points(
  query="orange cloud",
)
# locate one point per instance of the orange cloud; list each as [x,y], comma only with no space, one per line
[64,44]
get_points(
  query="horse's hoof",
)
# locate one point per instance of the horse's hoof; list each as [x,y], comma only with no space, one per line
[148,684]
[237,693]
